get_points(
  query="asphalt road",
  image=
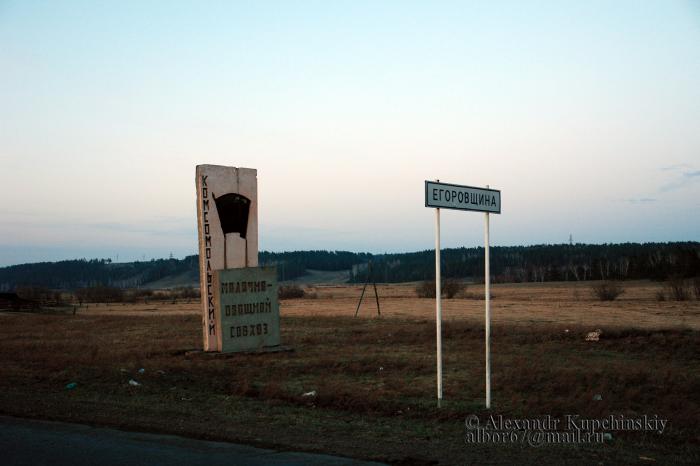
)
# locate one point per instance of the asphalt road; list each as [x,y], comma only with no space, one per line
[29,442]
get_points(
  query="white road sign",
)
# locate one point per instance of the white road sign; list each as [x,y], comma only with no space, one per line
[458,197]
[454,196]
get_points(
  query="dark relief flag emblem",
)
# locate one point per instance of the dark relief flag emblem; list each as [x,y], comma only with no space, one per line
[233,213]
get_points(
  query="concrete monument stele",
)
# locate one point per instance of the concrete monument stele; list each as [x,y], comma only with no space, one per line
[227,220]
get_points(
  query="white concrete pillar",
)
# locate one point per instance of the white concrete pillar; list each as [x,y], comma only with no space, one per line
[218,249]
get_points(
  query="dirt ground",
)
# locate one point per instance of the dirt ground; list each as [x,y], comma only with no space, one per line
[370,381]
[566,303]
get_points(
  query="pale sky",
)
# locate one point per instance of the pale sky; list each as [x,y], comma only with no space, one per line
[586,115]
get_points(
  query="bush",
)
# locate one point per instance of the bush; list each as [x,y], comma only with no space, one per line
[426,289]
[607,290]
[137,294]
[678,289]
[166,294]
[99,294]
[290,292]
[696,286]
[449,288]
[185,292]
[41,295]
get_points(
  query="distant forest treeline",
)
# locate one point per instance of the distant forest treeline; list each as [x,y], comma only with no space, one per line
[508,264]
[82,273]
[540,263]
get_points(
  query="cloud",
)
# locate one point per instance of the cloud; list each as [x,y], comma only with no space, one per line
[682,181]
[678,166]
[643,200]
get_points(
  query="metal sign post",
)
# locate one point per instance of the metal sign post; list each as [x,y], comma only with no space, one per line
[487,311]
[451,196]
[438,307]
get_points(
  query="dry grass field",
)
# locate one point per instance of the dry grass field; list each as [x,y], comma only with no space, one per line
[374,377]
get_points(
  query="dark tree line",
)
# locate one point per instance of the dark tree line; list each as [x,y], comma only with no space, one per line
[508,264]
[539,263]
[82,273]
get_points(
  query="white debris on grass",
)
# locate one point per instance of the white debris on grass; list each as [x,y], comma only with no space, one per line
[594,336]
